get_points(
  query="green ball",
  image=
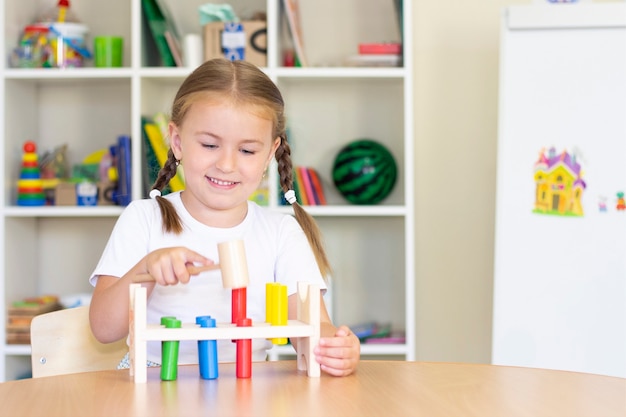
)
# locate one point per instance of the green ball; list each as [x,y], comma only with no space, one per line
[365,172]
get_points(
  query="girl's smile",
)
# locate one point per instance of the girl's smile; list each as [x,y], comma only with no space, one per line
[221,183]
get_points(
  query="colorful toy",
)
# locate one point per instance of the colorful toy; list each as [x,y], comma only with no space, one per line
[169,351]
[234,271]
[34,48]
[207,351]
[244,352]
[276,307]
[30,185]
[364,172]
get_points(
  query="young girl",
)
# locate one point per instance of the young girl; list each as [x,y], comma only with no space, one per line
[227,124]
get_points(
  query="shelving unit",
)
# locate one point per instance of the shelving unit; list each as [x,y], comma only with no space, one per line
[54,249]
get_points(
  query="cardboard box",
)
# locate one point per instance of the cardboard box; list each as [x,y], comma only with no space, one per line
[65,194]
[245,40]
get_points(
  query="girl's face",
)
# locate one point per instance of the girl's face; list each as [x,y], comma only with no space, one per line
[224,150]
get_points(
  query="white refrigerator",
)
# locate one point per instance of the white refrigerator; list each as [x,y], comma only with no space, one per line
[560,244]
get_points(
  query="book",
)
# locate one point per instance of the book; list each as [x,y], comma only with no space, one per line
[175,48]
[162,120]
[398,4]
[122,195]
[299,187]
[374,60]
[293,20]
[308,187]
[380,48]
[172,34]
[170,22]
[158,26]
[317,186]
[160,148]
[150,162]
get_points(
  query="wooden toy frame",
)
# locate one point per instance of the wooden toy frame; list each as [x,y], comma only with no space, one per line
[306,328]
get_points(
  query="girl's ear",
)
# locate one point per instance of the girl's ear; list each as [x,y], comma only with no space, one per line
[275,146]
[175,141]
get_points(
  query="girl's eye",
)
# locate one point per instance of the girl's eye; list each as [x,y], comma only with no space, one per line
[209,146]
[248,151]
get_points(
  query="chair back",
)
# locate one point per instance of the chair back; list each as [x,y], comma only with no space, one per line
[62,343]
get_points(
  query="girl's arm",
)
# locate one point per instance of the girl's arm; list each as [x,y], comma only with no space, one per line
[108,311]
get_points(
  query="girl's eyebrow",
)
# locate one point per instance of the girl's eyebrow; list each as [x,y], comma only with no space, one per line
[206,133]
[253,140]
[216,136]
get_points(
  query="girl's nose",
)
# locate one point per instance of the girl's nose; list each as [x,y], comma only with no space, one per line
[226,161]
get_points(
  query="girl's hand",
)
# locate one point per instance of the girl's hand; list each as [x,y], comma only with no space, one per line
[339,355]
[168,266]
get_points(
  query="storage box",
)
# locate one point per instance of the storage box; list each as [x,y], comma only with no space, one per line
[21,313]
[245,40]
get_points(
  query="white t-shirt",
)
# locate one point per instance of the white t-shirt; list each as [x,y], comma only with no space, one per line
[277,250]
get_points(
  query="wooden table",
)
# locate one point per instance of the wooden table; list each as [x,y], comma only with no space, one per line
[379,388]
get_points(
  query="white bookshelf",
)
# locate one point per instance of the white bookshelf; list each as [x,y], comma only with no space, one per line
[54,249]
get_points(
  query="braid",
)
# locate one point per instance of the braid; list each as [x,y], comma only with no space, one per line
[285,168]
[171,221]
[306,221]
[167,172]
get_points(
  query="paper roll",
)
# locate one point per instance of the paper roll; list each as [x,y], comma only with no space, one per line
[192,50]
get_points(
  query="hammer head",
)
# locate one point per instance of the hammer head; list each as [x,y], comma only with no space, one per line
[233,264]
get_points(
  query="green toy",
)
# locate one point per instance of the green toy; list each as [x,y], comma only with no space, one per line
[365,172]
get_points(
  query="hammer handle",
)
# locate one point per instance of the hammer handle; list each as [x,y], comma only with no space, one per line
[193,270]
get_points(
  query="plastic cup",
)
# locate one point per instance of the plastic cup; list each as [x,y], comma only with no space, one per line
[108,51]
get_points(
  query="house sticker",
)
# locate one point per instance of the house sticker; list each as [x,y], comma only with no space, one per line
[559,184]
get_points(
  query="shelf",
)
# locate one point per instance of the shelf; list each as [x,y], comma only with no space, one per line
[166,73]
[42,74]
[326,108]
[63,211]
[342,211]
[289,72]
[17,350]
[341,72]
[114,211]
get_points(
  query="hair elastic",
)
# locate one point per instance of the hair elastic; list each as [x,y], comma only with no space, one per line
[290,196]
[154,193]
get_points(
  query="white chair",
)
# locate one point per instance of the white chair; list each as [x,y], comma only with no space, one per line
[62,343]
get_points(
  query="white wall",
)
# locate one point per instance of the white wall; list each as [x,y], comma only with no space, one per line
[456,87]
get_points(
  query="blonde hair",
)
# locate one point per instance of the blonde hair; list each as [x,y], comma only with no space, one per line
[243,84]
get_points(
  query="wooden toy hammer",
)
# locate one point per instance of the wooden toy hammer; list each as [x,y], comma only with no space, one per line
[232,263]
